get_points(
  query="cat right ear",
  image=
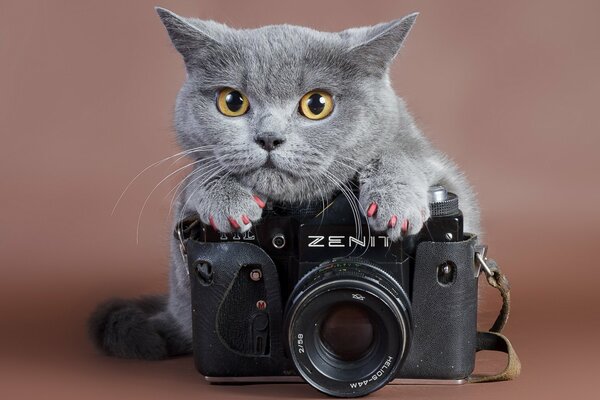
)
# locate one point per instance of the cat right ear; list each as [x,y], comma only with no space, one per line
[376,46]
[188,38]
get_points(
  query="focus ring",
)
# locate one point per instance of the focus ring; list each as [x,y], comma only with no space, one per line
[353,267]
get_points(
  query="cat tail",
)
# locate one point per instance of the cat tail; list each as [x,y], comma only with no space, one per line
[139,328]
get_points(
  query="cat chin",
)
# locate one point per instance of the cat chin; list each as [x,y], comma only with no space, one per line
[268,180]
[274,183]
[282,186]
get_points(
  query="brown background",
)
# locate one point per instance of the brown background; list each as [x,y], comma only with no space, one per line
[509,90]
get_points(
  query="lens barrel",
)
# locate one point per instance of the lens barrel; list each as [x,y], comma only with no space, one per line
[348,327]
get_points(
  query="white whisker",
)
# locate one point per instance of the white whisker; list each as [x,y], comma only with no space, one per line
[180,154]
[137,231]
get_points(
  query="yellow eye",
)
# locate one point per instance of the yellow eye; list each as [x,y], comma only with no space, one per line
[316,104]
[232,102]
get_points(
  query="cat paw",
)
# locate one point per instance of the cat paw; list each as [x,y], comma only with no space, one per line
[230,209]
[398,211]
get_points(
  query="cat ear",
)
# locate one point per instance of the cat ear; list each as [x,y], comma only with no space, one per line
[376,46]
[189,36]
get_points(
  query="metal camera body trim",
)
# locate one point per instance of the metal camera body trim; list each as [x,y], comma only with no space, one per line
[226,312]
[299,379]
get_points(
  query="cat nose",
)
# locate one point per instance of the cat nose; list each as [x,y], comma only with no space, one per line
[269,140]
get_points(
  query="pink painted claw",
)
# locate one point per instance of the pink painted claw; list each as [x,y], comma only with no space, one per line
[258,201]
[233,222]
[404,227]
[372,209]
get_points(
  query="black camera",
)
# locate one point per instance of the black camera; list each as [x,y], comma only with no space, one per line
[313,292]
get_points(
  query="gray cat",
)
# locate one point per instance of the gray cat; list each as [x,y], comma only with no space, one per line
[283,113]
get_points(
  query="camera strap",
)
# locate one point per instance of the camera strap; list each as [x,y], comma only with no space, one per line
[493,340]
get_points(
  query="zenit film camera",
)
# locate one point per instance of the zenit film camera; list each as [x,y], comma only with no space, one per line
[313,293]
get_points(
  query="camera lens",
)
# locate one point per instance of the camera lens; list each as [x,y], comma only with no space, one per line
[348,327]
[347,331]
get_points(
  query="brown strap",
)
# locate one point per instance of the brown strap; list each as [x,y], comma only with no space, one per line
[494,340]
[497,342]
[499,281]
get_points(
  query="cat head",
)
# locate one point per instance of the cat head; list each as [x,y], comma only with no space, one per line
[288,110]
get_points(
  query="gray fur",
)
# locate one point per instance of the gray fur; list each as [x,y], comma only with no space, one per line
[370,131]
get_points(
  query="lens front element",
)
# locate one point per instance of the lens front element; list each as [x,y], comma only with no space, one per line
[347,332]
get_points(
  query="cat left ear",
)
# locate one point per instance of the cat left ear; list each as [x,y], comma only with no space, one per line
[187,37]
[376,46]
